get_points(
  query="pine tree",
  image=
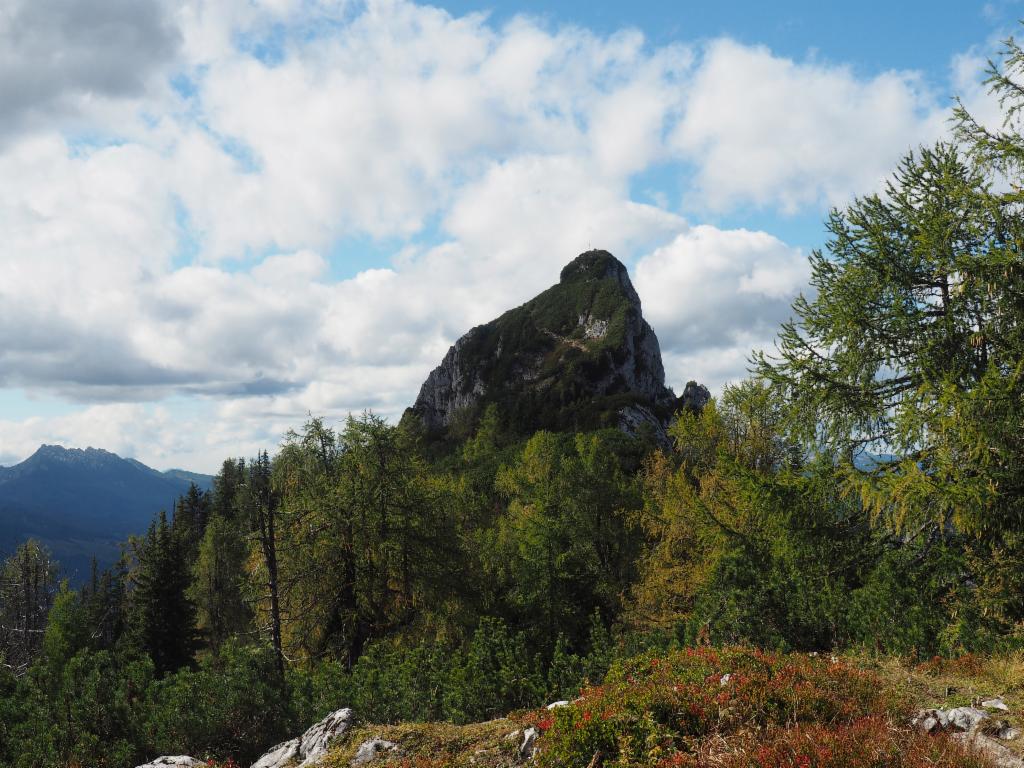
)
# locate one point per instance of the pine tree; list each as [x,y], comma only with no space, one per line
[28,584]
[104,602]
[162,618]
[191,513]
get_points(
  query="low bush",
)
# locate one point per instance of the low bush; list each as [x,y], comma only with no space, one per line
[675,709]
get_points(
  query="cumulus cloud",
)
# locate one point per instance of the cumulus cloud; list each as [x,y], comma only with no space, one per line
[59,57]
[183,274]
[765,130]
[713,295]
[375,129]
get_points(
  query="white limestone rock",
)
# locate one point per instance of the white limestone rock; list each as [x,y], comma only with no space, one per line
[173,761]
[307,749]
[995,703]
[965,718]
[529,746]
[370,750]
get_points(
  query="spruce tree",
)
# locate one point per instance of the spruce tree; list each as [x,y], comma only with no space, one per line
[163,618]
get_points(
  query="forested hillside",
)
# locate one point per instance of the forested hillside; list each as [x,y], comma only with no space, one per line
[861,493]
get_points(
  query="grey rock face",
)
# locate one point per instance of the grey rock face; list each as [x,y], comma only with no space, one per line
[451,387]
[635,418]
[370,750]
[695,397]
[173,761]
[308,748]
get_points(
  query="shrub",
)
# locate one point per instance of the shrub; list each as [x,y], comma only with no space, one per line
[495,674]
[865,743]
[652,709]
[233,705]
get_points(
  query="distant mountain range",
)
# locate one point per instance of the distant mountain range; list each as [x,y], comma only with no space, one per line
[82,503]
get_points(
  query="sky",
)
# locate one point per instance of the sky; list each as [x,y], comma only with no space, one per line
[218,217]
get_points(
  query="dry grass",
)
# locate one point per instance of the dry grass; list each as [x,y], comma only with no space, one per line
[437,745]
[965,681]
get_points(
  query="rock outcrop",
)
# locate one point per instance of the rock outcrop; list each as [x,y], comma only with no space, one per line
[307,749]
[578,356]
[977,728]
[370,750]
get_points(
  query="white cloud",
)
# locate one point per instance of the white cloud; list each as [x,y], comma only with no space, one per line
[191,250]
[75,59]
[713,295]
[768,131]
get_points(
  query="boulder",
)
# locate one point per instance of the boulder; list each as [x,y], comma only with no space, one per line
[308,748]
[965,718]
[173,761]
[557,705]
[996,703]
[529,746]
[1000,755]
[370,750]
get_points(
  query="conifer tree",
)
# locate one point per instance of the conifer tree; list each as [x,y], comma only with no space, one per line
[27,587]
[216,588]
[191,513]
[163,618]
[261,503]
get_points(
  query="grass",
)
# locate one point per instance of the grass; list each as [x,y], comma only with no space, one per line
[433,745]
[966,681]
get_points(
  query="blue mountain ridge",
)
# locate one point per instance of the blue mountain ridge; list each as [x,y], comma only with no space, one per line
[82,503]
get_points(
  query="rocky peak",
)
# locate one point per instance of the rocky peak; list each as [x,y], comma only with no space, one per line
[578,356]
[599,265]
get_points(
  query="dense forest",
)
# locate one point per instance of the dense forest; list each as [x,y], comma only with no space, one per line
[863,488]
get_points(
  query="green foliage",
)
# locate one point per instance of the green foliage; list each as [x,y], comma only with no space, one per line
[902,606]
[367,537]
[87,710]
[565,547]
[233,704]
[494,675]
[163,619]
[217,583]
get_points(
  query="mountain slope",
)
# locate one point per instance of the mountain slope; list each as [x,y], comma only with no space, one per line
[578,356]
[82,503]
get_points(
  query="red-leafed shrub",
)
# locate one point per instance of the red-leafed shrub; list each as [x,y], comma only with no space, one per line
[678,709]
[968,665]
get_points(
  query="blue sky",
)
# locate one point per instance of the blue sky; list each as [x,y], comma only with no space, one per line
[871,35]
[234,213]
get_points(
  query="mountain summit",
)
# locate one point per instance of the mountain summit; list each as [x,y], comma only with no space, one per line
[83,502]
[578,356]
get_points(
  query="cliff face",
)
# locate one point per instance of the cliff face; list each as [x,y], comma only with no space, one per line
[578,356]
